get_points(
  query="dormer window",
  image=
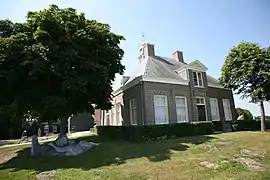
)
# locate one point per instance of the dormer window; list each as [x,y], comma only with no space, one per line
[197,78]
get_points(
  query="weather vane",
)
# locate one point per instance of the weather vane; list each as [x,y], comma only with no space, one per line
[142,33]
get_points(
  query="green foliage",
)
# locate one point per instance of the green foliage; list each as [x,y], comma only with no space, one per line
[258,118]
[153,132]
[57,63]
[218,125]
[245,125]
[246,113]
[246,71]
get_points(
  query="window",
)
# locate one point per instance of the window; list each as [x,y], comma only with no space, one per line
[197,78]
[46,129]
[161,109]
[55,128]
[107,117]
[214,109]
[200,101]
[227,109]
[133,113]
[181,109]
[113,116]
[118,114]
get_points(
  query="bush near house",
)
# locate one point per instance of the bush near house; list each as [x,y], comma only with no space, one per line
[249,125]
[153,132]
[218,125]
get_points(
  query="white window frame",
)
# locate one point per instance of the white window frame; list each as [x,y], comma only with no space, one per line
[55,128]
[46,129]
[132,110]
[159,105]
[214,107]
[118,114]
[197,78]
[107,117]
[228,117]
[204,104]
[200,103]
[113,116]
[186,108]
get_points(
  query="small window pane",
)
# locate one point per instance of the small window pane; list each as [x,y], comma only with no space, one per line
[200,79]
[161,109]
[181,109]
[195,78]
[133,112]
[214,109]
[227,109]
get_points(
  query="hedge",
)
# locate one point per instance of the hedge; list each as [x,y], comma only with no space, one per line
[152,132]
[218,125]
[249,125]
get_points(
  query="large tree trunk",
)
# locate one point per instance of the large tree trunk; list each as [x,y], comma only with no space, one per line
[63,126]
[262,116]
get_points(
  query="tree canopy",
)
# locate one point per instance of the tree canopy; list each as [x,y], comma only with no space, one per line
[246,114]
[246,71]
[57,63]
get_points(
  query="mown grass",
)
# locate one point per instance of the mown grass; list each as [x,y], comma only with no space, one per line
[164,159]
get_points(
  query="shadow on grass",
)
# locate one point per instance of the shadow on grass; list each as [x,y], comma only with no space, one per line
[108,153]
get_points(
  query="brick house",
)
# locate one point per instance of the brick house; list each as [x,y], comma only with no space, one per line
[168,90]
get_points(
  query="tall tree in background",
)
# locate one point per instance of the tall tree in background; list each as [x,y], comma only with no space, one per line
[57,63]
[246,71]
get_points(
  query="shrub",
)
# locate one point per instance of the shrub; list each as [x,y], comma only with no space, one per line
[249,125]
[153,132]
[218,125]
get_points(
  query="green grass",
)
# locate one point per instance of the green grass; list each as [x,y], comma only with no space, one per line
[164,159]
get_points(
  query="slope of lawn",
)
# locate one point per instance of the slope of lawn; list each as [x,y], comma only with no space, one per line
[241,155]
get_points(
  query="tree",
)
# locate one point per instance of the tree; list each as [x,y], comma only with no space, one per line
[267,118]
[246,114]
[246,71]
[57,63]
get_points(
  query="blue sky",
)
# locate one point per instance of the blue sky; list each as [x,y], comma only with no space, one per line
[203,30]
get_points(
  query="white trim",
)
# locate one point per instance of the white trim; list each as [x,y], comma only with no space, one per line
[230,109]
[218,113]
[205,108]
[194,69]
[166,105]
[164,80]
[197,77]
[131,111]
[107,117]
[118,113]
[199,97]
[217,86]
[203,67]
[187,120]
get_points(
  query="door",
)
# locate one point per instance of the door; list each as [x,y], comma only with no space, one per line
[201,112]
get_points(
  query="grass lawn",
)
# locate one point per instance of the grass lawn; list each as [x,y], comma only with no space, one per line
[241,155]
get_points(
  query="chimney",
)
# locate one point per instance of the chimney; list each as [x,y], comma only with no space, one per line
[146,50]
[178,55]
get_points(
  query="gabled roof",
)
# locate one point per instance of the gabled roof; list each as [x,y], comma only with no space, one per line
[157,67]
[197,65]
[165,69]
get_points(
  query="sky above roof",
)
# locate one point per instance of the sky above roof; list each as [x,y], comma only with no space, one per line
[203,30]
